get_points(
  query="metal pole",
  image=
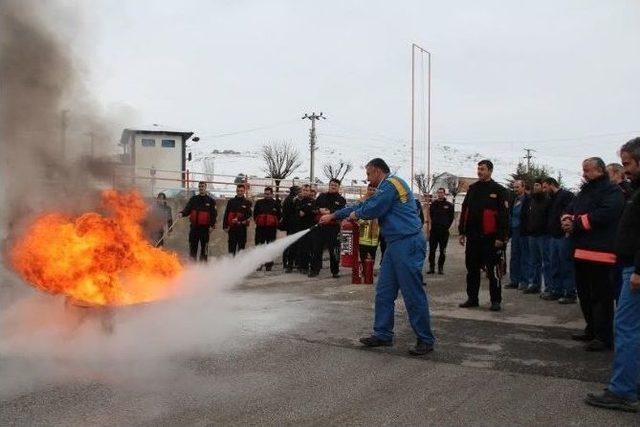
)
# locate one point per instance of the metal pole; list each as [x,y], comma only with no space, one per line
[313,148]
[413,90]
[429,129]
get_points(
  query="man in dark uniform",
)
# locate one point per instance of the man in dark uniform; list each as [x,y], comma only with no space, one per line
[303,206]
[483,228]
[287,223]
[266,214]
[236,219]
[326,236]
[201,210]
[441,214]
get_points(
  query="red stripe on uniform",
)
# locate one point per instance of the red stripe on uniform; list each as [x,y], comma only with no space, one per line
[595,256]
[584,219]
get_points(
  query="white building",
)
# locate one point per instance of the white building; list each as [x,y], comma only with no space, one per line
[155,157]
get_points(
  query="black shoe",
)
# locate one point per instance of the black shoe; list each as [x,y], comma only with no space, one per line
[511,286]
[431,271]
[567,300]
[373,341]
[268,267]
[313,274]
[259,268]
[468,304]
[597,345]
[549,297]
[420,349]
[495,306]
[610,400]
[440,271]
[288,270]
[531,291]
[335,275]
[582,337]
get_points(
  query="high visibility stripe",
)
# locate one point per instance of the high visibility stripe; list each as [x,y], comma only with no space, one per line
[595,256]
[566,216]
[584,219]
[403,193]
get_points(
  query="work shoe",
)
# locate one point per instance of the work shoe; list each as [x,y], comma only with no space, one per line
[547,296]
[420,349]
[522,287]
[567,300]
[531,291]
[440,271]
[511,286]
[268,267]
[288,270]
[582,337]
[597,345]
[335,275]
[313,274]
[373,341]
[431,271]
[611,400]
[259,268]
[495,306]
[468,304]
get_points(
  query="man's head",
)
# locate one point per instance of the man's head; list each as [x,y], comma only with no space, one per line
[371,190]
[485,169]
[313,191]
[537,186]
[630,157]
[518,187]
[377,170]
[161,198]
[202,188]
[593,168]
[294,190]
[441,193]
[550,185]
[268,193]
[240,190]
[305,191]
[616,172]
[334,186]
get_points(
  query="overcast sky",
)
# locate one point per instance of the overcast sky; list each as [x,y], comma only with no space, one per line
[550,75]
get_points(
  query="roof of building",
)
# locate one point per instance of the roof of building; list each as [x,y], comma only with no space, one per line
[154,128]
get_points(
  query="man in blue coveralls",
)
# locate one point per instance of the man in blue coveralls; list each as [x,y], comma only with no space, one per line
[393,204]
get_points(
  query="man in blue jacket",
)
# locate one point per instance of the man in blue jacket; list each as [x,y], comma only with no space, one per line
[401,269]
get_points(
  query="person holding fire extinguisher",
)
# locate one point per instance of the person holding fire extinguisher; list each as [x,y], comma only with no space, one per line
[236,220]
[326,236]
[483,228]
[401,269]
[202,213]
[266,215]
[369,232]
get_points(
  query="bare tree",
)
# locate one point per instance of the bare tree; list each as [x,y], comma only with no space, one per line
[421,181]
[281,159]
[337,170]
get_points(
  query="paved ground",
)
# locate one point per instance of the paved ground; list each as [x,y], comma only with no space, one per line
[293,358]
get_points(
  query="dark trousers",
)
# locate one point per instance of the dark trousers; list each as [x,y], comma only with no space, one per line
[290,255]
[480,252]
[439,237]
[368,250]
[237,239]
[198,235]
[266,235]
[303,252]
[321,238]
[383,247]
[596,295]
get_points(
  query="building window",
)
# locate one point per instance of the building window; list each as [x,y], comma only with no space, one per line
[169,143]
[148,142]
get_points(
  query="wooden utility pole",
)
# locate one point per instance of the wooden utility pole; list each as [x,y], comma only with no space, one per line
[312,141]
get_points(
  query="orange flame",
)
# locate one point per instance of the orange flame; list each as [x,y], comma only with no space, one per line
[94,259]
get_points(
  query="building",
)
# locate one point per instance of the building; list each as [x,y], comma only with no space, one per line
[154,158]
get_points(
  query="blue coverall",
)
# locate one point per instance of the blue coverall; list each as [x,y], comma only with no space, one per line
[401,269]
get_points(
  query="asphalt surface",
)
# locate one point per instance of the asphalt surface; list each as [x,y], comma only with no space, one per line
[293,357]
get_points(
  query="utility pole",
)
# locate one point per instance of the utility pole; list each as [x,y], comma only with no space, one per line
[414,48]
[529,156]
[312,141]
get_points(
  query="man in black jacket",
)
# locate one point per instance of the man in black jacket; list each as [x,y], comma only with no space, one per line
[538,239]
[266,215]
[622,392]
[304,206]
[483,228]
[592,220]
[237,216]
[326,236]
[287,223]
[441,215]
[563,286]
[201,211]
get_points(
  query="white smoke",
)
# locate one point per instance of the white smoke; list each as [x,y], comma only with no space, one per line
[44,341]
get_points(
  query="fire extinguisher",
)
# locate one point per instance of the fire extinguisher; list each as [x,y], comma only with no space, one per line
[349,248]
[367,270]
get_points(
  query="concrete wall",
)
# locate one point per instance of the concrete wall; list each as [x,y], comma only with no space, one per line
[160,158]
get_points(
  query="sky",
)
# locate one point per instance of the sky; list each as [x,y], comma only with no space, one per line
[560,77]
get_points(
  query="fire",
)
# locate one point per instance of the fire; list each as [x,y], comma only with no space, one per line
[94,259]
